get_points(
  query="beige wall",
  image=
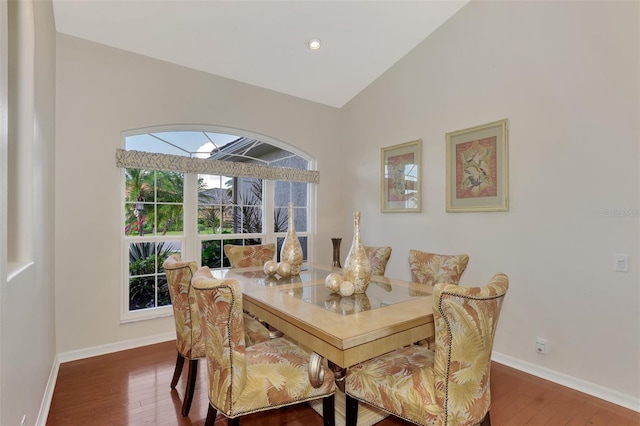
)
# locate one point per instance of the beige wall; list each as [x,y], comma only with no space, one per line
[566,75]
[571,96]
[27,329]
[103,91]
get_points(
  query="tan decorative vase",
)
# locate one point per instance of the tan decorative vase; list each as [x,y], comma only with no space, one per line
[357,267]
[291,251]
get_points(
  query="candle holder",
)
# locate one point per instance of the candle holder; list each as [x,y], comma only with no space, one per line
[336,252]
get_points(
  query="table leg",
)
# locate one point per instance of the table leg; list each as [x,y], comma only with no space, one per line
[367,415]
[339,373]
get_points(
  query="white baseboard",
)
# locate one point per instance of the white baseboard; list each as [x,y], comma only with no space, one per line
[87,353]
[580,385]
[589,388]
[48,393]
[115,347]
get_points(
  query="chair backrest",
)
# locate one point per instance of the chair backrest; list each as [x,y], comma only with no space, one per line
[246,256]
[220,304]
[431,268]
[378,258]
[465,324]
[185,311]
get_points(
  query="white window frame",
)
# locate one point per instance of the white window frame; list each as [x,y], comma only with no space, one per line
[191,240]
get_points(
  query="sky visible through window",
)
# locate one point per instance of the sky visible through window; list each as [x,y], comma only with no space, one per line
[188,144]
[184,143]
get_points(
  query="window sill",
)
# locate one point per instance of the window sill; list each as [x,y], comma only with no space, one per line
[146,314]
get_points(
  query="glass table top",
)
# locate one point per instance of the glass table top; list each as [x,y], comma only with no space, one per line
[307,274]
[380,292]
[378,295]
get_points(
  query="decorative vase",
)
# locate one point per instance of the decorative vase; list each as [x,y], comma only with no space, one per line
[336,252]
[291,251]
[357,266]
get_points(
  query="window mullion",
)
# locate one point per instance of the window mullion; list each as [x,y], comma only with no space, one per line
[311,221]
[191,250]
[268,205]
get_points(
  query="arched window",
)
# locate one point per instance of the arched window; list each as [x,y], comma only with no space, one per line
[191,191]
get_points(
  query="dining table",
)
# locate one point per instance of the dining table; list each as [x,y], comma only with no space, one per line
[343,330]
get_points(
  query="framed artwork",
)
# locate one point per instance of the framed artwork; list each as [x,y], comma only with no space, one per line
[477,169]
[400,173]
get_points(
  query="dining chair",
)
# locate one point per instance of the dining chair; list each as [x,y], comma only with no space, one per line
[431,268]
[378,258]
[446,386]
[246,256]
[250,379]
[186,316]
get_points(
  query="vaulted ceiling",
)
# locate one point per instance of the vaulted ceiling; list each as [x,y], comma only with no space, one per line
[264,43]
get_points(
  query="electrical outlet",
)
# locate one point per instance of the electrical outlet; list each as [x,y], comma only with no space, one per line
[541,346]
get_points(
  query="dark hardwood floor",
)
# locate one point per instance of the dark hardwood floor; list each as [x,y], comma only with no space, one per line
[132,388]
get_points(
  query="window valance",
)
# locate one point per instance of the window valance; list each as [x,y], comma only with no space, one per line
[177,163]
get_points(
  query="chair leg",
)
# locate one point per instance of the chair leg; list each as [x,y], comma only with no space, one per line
[233,422]
[177,371]
[486,421]
[329,410]
[211,416]
[191,387]
[351,416]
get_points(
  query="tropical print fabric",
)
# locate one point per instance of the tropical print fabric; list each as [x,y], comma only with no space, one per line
[186,315]
[245,379]
[247,256]
[448,386]
[378,258]
[431,268]
[255,332]
[185,312]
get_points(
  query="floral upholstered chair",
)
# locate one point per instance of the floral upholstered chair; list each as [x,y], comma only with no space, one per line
[244,380]
[246,256]
[446,386]
[187,320]
[432,268]
[378,258]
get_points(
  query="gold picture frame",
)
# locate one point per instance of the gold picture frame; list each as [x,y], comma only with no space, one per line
[400,178]
[478,168]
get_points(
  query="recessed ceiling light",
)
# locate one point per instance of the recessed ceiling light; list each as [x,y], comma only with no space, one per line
[314,44]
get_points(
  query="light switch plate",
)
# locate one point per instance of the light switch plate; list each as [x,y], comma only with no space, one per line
[621,262]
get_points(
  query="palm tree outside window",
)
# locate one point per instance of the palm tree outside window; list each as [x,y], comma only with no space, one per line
[195,215]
